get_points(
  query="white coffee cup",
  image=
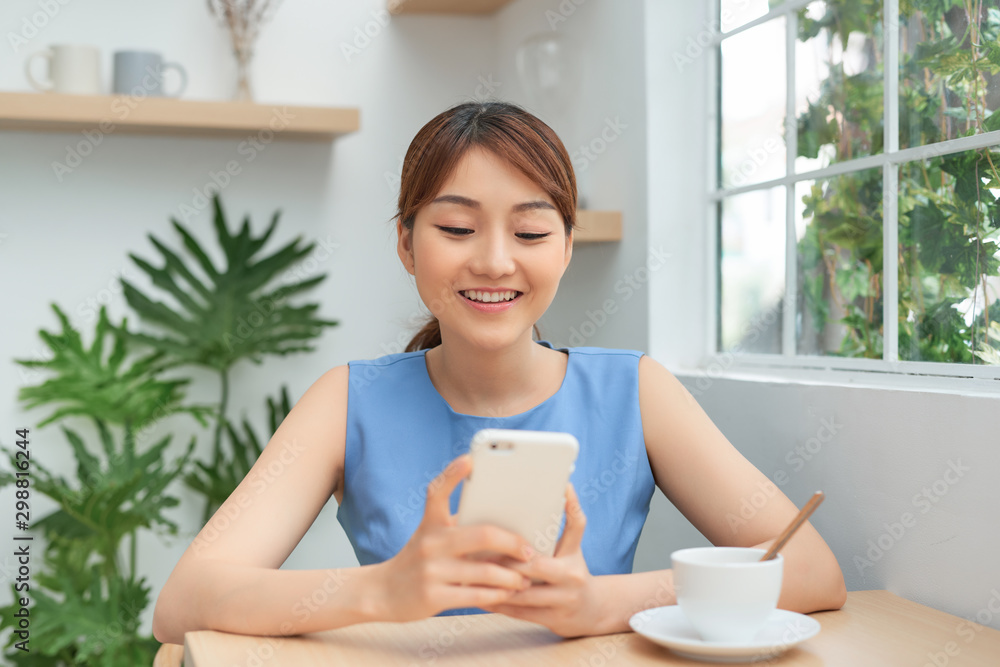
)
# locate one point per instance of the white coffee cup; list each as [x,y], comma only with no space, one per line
[73,69]
[727,593]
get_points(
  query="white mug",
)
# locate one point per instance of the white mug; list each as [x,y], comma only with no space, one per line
[727,593]
[73,69]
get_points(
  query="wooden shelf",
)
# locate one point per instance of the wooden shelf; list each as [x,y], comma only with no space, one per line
[161,115]
[445,6]
[597,226]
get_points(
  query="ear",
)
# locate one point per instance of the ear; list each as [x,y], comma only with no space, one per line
[569,249]
[404,246]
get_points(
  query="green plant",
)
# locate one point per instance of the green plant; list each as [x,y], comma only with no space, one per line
[949,217]
[87,600]
[88,597]
[236,314]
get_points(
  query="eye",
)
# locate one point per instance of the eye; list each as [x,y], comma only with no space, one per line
[527,236]
[455,231]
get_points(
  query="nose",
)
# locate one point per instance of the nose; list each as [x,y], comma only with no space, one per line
[493,256]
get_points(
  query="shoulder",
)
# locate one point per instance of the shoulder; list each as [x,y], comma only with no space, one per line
[608,352]
[604,360]
[659,387]
[399,359]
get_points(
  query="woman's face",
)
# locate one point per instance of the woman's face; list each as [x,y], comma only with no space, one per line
[487,253]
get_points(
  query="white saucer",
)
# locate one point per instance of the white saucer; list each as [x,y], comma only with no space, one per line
[668,626]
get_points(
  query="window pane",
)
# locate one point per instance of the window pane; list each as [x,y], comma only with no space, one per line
[949,223]
[839,236]
[753,105]
[838,82]
[949,70]
[734,13]
[753,271]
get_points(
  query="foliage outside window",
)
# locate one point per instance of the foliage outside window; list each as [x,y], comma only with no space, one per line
[858,180]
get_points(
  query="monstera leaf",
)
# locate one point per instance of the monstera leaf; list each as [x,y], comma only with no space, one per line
[234,314]
[97,626]
[88,385]
[112,498]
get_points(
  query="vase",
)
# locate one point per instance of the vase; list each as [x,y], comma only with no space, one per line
[244,92]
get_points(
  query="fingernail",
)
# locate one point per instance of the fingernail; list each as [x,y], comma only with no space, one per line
[528,551]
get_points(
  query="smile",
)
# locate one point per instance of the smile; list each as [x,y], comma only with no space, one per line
[490,297]
[491,302]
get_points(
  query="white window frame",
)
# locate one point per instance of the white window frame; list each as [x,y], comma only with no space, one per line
[888,371]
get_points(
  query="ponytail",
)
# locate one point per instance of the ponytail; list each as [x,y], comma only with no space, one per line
[429,336]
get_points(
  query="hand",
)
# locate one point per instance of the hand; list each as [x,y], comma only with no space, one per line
[568,602]
[434,571]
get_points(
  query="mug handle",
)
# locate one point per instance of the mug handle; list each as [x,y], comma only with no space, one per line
[40,85]
[184,78]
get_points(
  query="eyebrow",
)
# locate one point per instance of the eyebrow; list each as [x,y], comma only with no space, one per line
[472,203]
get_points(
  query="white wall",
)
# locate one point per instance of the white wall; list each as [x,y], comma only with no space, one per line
[603,127]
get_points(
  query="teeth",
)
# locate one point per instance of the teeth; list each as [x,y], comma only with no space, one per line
[489,297]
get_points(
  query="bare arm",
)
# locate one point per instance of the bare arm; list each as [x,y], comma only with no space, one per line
[228,579]
[708,480]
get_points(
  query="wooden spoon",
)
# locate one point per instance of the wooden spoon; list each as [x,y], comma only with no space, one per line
[799,519]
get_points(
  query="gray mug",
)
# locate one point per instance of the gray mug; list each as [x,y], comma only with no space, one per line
[140,74]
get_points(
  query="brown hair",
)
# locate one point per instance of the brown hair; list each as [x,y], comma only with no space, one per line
[502,128]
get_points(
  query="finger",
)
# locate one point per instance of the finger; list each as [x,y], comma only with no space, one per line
[441,487]
[471,573]
[576,521]
[545,570]
[538,596]
[490,543]
[453,597]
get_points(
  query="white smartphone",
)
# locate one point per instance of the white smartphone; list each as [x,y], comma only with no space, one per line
[518,482]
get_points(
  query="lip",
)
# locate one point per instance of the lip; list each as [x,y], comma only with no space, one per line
[497,307]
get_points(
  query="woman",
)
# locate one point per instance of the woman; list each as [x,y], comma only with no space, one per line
[485,225]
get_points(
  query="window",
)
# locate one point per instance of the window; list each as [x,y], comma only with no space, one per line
[857,178]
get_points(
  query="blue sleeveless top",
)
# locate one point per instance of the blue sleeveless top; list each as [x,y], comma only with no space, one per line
[401,433]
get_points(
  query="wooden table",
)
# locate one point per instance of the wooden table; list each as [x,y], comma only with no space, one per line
[874,628]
